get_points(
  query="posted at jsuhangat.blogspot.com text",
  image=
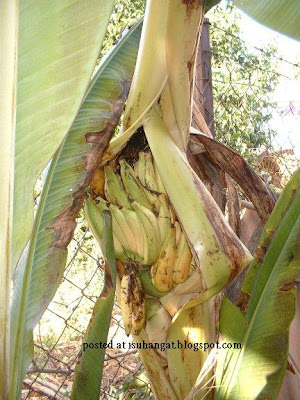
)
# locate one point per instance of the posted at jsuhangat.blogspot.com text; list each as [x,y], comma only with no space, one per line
[162,346]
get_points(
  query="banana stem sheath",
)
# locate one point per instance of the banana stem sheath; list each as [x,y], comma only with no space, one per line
[218,252]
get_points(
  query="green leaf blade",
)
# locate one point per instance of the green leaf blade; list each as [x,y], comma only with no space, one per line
[276,232]
[283,16]
[8,70]
[257,370]
[58,48]
[37,280]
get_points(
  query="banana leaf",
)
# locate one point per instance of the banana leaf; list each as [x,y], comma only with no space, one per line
[257,191]
[88,371]
[283,16]
[48,52]
[272,239]
[256,371]
[58,47]
[8,70]
[279,15]
[38,275]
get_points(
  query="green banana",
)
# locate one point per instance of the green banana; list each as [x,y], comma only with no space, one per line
[117,228]
[138,306]
[119,217]
[152,240]
[146,174]
[160,186]
[162,269]
[137,230]
[178,232]
[164,216]
[141,173]
[113,188]
[139,168]
[95,220]
[182,262]
[148,286]
[150,176]
[126,302]
[132,185]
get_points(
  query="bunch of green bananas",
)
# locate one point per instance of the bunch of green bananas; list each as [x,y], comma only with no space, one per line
[147,237]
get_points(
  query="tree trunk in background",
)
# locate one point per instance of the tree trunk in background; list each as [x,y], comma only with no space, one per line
[209,172]
[203,96]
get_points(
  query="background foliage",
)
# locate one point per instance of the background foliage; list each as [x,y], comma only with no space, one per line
[125,14]
[243,82]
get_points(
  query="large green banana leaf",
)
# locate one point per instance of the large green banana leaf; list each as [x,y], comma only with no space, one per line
[48,52]
[59,43]
[256,371]
[39,273]
[88,372]
[281,15]
[8,69]
[287,209]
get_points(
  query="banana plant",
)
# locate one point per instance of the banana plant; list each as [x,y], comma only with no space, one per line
[161,112]
[174,249]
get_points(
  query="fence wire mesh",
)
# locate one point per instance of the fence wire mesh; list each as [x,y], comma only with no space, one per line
[58,336]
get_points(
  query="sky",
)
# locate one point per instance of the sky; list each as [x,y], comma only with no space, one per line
[286,119]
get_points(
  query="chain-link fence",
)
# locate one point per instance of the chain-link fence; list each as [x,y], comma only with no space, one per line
[237,111]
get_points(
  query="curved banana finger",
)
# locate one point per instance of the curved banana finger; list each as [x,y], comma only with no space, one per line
[132,185]
[142,174]
[152,240]
[126,302]
[94,218]
[150,176]
[139,168]
[138,305]
[182,262]
[124,226]
[137,230]
[162,269]
[138,317]
[159,184]
[113,188]
[164,216]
